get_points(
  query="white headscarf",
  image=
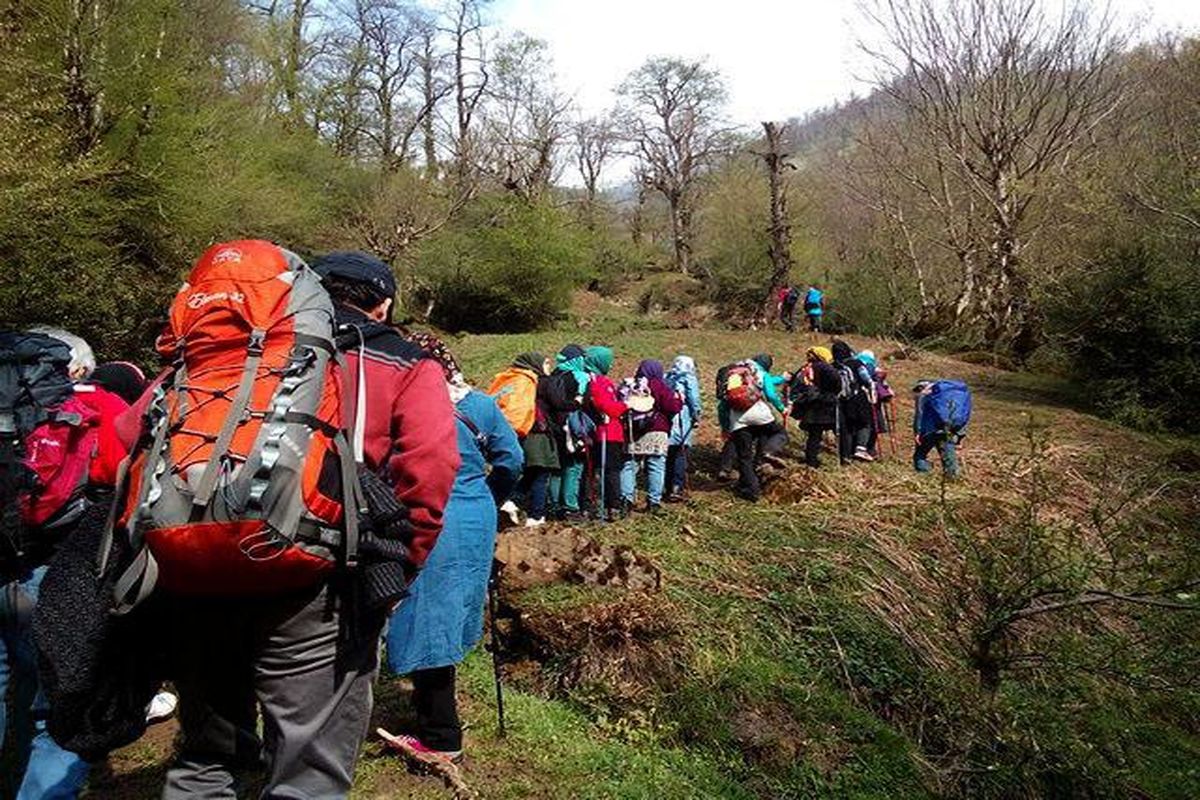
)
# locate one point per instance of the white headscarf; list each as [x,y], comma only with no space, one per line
[684,365]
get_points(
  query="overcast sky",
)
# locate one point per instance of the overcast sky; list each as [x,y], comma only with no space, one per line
[780,58]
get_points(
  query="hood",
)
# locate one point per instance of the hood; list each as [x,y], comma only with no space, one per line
[764,360]
[650,369]
[842,352]
[598,360]
[531,361]
[821,354]
[684,365]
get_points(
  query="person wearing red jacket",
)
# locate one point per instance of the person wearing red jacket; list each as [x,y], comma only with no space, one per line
[606,409]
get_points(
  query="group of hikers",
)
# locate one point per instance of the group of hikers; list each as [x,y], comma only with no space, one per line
[788,297]
[247,526]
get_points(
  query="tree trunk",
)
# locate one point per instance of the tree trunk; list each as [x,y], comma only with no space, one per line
[637,221]
[83,102]
[681,231]
[780,229]
[430,97]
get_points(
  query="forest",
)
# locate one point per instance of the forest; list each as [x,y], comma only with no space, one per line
[1017,183]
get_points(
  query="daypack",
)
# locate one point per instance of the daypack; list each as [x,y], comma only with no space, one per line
[238,484]
[740,387]
[792,297]
[515,392]
[945,408]
[48,439]
[581,430]
[635,393]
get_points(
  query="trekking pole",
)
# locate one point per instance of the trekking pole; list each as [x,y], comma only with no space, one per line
[493,589]
[889,414]
[603,468]
[837,432]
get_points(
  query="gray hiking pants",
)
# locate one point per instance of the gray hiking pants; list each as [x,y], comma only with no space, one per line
[311,678]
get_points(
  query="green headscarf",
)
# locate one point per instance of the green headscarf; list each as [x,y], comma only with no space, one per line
[533,361]
[598,359]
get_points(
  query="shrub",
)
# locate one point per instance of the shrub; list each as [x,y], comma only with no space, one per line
[1132,328]
[504,265]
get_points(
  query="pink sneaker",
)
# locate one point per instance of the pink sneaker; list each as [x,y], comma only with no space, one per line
[403,741]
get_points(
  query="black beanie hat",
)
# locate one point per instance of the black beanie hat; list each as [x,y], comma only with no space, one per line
[354,265]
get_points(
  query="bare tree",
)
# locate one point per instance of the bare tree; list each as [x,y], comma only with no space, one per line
[469,81]
[525,118]
[673,119]
[989,100]
[595,145]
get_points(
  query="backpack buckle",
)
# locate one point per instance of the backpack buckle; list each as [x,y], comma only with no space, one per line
[257,341]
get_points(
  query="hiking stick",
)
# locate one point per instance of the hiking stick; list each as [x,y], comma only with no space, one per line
[875,421]
[889,414]
[493,587]
[837,432]
[603,469]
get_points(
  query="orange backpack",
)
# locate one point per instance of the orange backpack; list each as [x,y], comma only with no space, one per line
[237,485]
[515,392]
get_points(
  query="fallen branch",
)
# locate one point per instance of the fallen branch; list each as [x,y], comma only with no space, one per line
[433,765]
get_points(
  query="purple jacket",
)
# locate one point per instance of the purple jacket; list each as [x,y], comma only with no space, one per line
[666,405]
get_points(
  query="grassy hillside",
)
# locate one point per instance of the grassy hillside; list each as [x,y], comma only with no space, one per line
[827,641]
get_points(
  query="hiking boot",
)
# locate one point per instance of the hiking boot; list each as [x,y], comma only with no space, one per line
[510,512]
[626,508]
[574,517]
[453,756]
[161,708]
[745,495]
[676,497]
[653,508]
[535,522]
[726,475]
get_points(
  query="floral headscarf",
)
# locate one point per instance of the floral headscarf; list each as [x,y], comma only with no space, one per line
[439,352]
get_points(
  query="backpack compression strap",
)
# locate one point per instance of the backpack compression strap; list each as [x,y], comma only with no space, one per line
[208,481]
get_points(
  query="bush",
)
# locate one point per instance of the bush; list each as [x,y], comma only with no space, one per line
[504,266]
[1132,327]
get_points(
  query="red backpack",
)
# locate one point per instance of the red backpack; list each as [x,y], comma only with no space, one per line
[237,485]
[742,388]
[48,438]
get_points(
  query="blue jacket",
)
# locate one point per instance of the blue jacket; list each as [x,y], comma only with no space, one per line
[442,618]
[683,427]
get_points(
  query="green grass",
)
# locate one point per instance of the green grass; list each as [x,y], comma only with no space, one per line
[812,654]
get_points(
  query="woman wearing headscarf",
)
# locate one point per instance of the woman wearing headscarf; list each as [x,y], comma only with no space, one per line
[572,437]
[541,453]
[856,403]
[683,380]
[648,446]
[606,410]
[816,405]
[754,432]
[441,620]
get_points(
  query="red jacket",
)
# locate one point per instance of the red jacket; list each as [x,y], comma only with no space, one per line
[110,449]
[410,435]
[602,396]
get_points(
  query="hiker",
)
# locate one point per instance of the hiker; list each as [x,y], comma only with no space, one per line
[814,307]
[606,411]
[567,486]
[648,433]
[941,411]
[788,297]
[856,401]
[682,379]
[441,620]
[541,453]
[815,405]
[745,404]
[295,634]
[883,394]
[515,390]
[78,450]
